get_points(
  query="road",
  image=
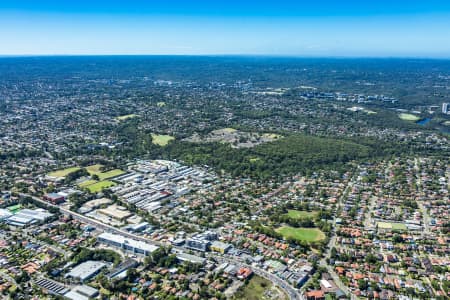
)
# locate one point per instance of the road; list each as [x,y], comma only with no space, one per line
[425,216]
[290,291]
[332,243]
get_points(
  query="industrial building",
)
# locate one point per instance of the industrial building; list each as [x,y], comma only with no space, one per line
[126,244]
[116,212]
[51,286]
[86,270]
[82,292]
[5,214]
[27,217]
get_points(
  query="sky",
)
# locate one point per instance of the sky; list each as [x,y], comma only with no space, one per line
[318,28]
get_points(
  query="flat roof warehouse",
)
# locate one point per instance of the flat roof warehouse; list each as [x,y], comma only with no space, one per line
[127,244]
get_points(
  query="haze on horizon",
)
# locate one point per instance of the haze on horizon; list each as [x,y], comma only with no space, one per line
[286,28]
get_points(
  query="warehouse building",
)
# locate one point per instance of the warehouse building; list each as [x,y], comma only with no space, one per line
[116,212]
[86,270]
[126,244]
[27,217]
[82,292]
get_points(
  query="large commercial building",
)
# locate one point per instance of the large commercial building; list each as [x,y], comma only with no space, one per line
[27,217]
[116,212]
[82,292]
[220,247]
[446,108]
[201,241]
[198,244]
[126,244]
[86,270]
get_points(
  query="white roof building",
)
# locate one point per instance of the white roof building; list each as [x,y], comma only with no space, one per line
[127,244]
[86,270]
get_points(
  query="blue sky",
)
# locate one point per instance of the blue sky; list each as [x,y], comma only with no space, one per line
[295,28]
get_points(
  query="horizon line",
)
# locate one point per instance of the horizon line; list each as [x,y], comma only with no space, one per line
[424,57]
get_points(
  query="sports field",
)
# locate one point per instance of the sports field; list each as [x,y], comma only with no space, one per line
[110,174]
[63,172]
[393,226]
[301,214]
[302,234]
[86,183]
[161,139]
[95,170]
[99,186]
[409,117]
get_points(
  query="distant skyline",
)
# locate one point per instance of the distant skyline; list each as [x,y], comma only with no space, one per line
[283,28]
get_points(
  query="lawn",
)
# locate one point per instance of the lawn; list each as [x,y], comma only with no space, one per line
[301,214]
[126,117]
[302,234]
[95,170]
[161,104]
[161,139]
[393,226]
[63,172]
[384,225]
[110,174]
[86,183]
[254,290]
[229,130]
[99,186]
[399,226]
[409,117]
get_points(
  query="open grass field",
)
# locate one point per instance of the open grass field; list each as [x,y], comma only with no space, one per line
[126,117]
[110,174]
[95,169]
[161,139]
[384,225]
[302,234]
[409,117]
[99,186]
[301,214]
[256,288]
[393,226]
[228,130]
[399,226]
[86,183]
[161,104]
[63,172]
[272,136]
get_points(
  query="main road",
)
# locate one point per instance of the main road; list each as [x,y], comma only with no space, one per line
[332,242]
[290,291]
